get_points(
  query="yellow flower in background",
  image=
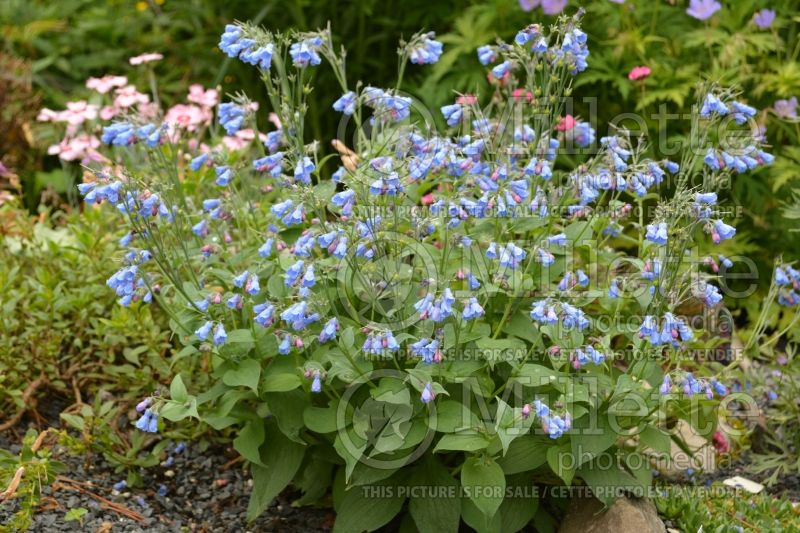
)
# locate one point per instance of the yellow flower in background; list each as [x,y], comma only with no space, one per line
[142,5]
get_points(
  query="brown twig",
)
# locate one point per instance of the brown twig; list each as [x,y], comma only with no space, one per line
[48,503]
[68,484]
[77,391]
[12,487]
[232,462]
[40,439]
[30,390]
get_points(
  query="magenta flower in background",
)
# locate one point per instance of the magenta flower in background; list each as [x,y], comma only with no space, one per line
[553,7]
[786,108]
[638,73]
[549,7]
[764,18]
[703,9]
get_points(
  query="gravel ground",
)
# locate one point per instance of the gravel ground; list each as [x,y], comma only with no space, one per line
[199,495]
[204,491]
[785,485]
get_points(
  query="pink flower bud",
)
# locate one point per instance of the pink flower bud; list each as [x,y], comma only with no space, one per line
[566,123]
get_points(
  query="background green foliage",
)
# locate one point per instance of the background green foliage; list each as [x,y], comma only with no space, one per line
[60,323]
[65,42]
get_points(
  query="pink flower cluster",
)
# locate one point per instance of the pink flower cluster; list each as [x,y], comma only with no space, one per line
[80,142]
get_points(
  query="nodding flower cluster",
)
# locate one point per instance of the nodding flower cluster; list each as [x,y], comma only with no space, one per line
[425,50]
[686,383]
[552,424]
[672,331]
[148,422]
[788,281]
[261,248]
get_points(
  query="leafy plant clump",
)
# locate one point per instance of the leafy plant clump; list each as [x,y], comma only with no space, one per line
[62,337]
[449,321]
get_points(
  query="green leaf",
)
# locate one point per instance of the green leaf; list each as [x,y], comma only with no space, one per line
[249,440]
[238,344]
[321,419]
[607,482]
[357,512]
[484,483]
[177,390]
[176,411]
[288,408]
[656,439]
[280,382]
[562,462]
[531,375]
[460,442]
[75,421]
[453,416]
[314,479]
[246,374]
[525,453]
[510,424]
[519,506]
[350,447]
[281,459]
[475,519]
[75,514]
[591,437]
[435,514]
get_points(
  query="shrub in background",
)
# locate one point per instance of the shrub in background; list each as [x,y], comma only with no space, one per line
[61,334]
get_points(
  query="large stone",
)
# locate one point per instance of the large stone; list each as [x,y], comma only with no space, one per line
[626,515]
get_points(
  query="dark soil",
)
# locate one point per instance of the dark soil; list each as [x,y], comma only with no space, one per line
[207,491]
[785,485]
[202,492]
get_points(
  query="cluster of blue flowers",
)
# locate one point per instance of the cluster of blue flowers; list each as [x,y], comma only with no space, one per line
[589,354]
[691,386]
[544,312]
[713,104]
[125,134]
[219,335]
[478,182]
[427,350]
[426,51]
[234,44]
[740,159]
[788,281]
[378,342]
[148,422]
[552,424]
[672,331]
[304,53]
[572,51]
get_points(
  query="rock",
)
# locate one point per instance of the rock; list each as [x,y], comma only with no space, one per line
[703,456]
[626,515]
